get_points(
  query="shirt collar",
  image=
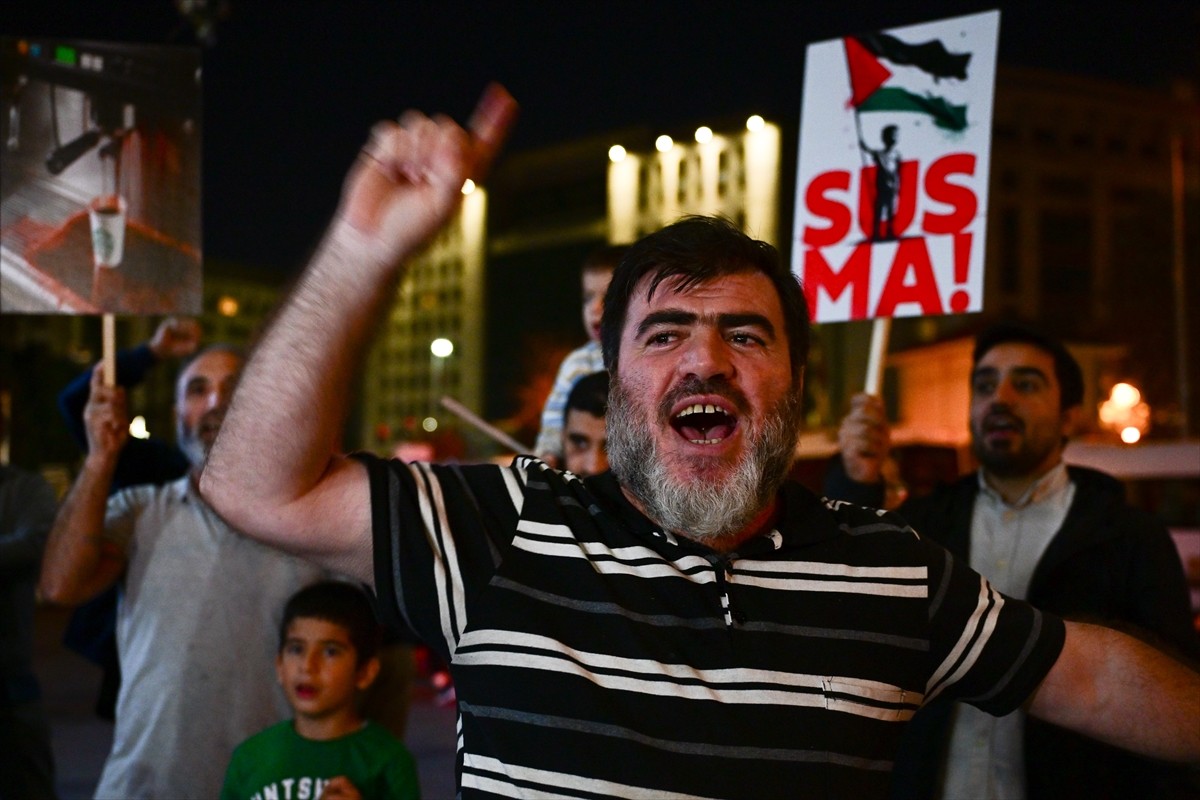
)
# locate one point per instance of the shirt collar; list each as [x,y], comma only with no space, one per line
[182,490]
[1053,482]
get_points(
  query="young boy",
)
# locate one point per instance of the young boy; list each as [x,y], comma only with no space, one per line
[328,646]
[596,273]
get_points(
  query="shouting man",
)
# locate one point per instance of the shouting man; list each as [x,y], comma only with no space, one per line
[689,624]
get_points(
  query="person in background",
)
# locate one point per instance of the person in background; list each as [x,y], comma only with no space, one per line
[192,591]
[595,274]
[27,506]
[690,623]
[584,441]
[328,656]
[91,630]
[1061,537]
[155,459]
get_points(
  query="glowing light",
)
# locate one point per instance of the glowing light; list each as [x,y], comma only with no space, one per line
[429,424]
[616,154]
[468,186]
[1110,415]
[441,347]
[663,143]
[227,306]
[755,124]
[1126,413]
[137,428]
[704,134]
[1125,395]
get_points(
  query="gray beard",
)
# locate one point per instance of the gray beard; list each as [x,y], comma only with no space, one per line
[191,445]
[702,509]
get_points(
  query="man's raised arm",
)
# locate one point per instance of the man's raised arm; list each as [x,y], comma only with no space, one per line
[80,562]
[276,471]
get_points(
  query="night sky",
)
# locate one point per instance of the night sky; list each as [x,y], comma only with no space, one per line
[291,88]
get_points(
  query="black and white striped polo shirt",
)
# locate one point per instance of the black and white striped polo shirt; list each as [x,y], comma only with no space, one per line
[596,656]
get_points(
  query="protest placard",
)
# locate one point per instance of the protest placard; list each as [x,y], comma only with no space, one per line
[891,192]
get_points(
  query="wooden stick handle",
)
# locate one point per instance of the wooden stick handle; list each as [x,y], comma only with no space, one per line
[452,405]
[108,335]
[879,345]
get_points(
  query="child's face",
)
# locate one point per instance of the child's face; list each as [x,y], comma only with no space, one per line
[318,668]
[595,284]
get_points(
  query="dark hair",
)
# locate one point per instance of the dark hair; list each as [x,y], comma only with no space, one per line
[344,604]
[589,394]
[605,258]
[1066,368]
[696,250]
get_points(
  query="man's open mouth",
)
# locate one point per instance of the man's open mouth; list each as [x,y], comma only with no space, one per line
[704,423]
[1002,423]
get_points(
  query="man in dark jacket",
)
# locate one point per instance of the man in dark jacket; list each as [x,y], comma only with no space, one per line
[1062,538]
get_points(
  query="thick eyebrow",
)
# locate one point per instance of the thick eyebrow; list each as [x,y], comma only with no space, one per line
[668,317]
[318,642]
[980,372]
[1024,372]
[747,319]
[742,319]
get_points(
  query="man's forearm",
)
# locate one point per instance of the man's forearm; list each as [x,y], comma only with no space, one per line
[76,565]
[1114,688]
[282,432]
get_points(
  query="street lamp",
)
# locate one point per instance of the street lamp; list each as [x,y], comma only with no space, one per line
[439,349]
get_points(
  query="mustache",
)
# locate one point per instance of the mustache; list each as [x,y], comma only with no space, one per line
[210,419]
[693,386]
[1000,415]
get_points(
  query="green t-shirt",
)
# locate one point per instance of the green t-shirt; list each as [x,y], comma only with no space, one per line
[278,762]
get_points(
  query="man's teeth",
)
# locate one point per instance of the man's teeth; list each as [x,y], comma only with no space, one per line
[704,423]
[701,408]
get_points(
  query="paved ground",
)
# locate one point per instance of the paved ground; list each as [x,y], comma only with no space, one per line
[81,740]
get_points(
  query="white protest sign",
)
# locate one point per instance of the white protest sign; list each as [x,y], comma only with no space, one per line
[891,189]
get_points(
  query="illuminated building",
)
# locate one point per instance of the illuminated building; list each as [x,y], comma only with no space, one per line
[733,173]
[441,298]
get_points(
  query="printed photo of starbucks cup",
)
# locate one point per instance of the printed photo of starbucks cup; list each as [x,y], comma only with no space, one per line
[107,216]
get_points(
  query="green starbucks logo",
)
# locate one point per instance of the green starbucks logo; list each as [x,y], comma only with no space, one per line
[104,243]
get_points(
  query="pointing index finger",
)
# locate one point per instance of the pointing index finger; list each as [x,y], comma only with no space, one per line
[489,125]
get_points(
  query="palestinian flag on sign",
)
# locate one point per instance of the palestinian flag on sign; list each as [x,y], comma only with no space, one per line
[864,54]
